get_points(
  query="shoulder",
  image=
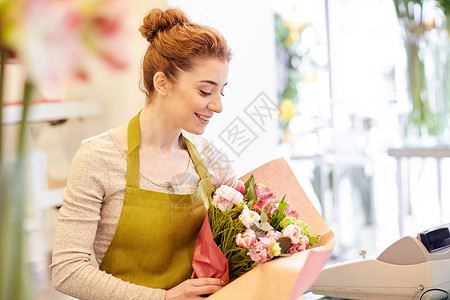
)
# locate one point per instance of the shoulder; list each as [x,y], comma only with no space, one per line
[102,149]
[103,142]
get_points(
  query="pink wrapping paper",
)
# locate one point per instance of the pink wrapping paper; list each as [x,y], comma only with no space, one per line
[208,260]
[286,277]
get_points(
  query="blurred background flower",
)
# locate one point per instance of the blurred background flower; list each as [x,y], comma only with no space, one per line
[55,41]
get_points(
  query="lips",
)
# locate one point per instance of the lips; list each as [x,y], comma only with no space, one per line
[204,118]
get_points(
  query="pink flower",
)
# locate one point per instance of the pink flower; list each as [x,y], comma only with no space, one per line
[304,243]
[293,232]
[272,209]
[249,217]
[305,239]
[263,192]
[259,205]
[261,251]
[238,185]
[106,32]
[226,197]
[56,41]
[246,239]
[289,212]
[273,234]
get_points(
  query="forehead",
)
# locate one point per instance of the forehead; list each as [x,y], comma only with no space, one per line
[208,69]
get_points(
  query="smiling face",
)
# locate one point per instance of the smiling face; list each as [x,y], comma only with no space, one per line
[196,95]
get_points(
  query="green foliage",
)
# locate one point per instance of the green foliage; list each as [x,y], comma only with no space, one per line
[288,38]
[445,5]
[224,232]
[422,119]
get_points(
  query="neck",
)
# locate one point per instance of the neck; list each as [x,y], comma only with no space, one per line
[156,132]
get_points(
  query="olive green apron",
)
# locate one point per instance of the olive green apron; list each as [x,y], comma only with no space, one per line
[154,241]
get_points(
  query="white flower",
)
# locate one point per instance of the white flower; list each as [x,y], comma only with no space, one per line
[226,197]
[249,217]
[293,232]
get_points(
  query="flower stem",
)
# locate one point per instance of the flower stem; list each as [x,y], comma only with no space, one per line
[23,125]
[15,282]
[2,80]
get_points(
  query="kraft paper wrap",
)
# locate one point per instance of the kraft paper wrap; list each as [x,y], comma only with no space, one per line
[286,277]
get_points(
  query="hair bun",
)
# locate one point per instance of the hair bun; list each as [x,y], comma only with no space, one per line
[157,20]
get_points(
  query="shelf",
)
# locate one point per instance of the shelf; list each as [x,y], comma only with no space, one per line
[45,112]
[436,152]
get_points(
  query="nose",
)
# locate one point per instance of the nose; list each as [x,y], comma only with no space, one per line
[216,104]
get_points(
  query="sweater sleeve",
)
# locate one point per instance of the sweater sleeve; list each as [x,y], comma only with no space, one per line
[71,268]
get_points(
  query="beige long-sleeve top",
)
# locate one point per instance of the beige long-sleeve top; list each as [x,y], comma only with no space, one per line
[92,204]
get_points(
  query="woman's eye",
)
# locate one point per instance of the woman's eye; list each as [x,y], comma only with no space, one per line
[204,93]
[222,94]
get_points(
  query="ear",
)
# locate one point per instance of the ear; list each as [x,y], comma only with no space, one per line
[161,83]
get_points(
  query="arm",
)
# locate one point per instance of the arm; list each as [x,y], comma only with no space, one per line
[72,272]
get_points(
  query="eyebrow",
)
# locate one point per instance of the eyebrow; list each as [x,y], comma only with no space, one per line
[212,82]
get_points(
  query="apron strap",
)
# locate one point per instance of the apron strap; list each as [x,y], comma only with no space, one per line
[134,140]
[199,165]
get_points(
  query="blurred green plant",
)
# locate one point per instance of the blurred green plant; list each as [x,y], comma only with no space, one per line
[15,280]
[288,39]
[445,6]
[425,118]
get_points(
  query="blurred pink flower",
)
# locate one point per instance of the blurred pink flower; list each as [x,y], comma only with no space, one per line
[246,239]
[226,197]
[49,45]
[53,39]
[105,31]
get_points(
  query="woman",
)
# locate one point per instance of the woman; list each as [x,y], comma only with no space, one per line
[137,194]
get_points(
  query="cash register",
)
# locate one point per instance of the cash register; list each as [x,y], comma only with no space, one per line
[414,267]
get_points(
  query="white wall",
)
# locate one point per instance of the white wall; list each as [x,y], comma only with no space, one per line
[248,28]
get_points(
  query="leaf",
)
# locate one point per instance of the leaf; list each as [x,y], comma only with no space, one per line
[314,239]
[250,181]
[256,226]
[250,192]
[264,217]
[282,206]
[285,243]
[260,233]
[266,226]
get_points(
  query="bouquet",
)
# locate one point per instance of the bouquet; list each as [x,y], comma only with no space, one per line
[234,250]
[251,226]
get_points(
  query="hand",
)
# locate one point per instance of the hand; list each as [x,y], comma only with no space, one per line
[194,288]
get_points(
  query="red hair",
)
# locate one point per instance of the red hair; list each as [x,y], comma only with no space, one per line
[175,43]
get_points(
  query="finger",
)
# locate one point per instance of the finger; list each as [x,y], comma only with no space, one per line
[207,289]
[207,281]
